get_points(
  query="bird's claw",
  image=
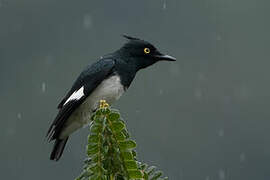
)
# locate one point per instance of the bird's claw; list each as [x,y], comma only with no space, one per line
[103,104]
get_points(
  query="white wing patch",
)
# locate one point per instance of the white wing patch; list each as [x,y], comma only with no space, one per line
[76,95]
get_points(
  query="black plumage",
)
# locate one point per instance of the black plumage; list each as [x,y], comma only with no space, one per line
[123,63]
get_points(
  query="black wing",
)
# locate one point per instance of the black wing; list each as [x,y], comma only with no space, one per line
[90,78]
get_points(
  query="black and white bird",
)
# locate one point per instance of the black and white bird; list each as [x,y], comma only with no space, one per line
[107,79]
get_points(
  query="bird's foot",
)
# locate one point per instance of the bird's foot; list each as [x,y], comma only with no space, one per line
[103,104]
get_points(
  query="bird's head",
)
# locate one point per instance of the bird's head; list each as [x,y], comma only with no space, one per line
[142,53]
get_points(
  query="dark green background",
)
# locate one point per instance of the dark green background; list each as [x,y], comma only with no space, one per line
[204,117]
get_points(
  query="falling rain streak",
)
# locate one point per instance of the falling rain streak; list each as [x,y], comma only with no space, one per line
[43,87]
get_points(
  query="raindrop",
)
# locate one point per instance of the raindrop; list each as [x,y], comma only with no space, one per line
[164,7]
[49,59]
[19,116]
[43,87]
[242,157]
[221,133]
[219,37]
[198,93]
[201,77]
[242,92]
[87,21]
[181,174]
[221,174]
[207,178]
[10,131]
[160,91]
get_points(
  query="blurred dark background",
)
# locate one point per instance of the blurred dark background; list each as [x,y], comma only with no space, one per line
[204,117]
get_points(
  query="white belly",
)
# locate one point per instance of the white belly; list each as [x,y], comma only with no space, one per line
[110,90]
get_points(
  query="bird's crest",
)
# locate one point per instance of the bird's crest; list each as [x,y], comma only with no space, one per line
[130,37]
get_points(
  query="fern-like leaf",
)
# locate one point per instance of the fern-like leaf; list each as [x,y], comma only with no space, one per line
[110,151]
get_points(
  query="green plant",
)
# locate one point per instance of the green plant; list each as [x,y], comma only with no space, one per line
[110,151]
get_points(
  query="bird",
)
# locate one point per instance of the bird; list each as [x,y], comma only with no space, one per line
[106,79]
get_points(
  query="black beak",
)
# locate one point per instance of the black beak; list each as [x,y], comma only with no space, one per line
[163,57]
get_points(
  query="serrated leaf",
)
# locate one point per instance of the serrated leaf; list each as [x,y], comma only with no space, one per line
[145,176]
[134,153]
[131,164]
[150,170]
[117,126]
[156,175]
[125,145]
[99,119]
[105,111]
[89,168]
[110,151]
[127,155]
[91,146]
[98,112]
[135,174]
[126,133]
[113,116]
[97,157]
[97,177]
[94,138]
[87,160]
[143,166]
[98,169]
[96,128]
[120,136]
[92,151]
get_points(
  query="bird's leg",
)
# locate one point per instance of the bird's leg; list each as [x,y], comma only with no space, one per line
[103,104]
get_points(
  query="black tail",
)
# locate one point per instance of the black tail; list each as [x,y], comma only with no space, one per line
[58,148]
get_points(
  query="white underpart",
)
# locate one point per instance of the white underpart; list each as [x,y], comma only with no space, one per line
[110,90]
[76,95]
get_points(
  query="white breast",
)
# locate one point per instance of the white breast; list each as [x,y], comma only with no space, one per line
[110,90]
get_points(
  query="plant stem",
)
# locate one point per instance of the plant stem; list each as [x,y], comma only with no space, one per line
[111,177]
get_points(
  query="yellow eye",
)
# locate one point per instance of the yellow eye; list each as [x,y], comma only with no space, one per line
[146,50]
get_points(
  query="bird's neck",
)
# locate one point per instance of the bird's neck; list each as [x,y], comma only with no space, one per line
[126,67]
[126,72]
